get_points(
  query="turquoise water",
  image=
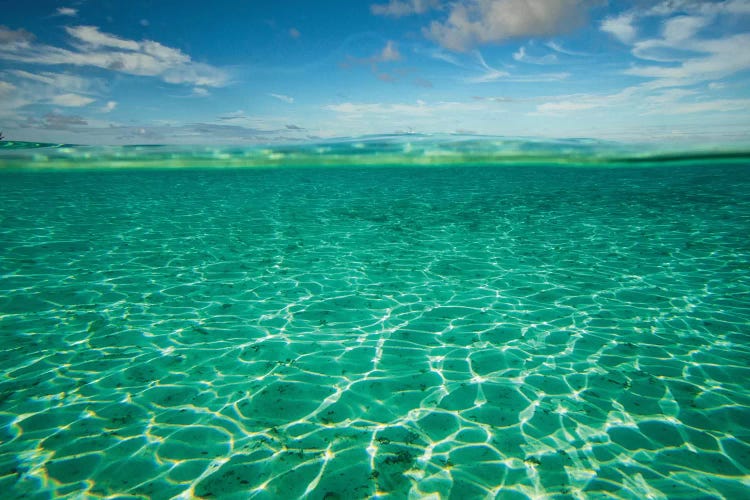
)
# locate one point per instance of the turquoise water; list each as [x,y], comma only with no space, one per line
[372,319]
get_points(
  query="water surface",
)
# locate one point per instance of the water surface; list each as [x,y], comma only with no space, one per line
[362,319]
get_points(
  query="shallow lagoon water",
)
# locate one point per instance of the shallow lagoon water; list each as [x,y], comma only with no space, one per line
[523,326]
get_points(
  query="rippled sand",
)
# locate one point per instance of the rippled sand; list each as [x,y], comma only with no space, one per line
[506,332]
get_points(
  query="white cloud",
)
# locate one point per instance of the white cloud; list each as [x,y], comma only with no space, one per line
[103,50]
[201,92]
[399,8]
[110,106]
[67,11]
[738,6]
[677,40]
[621,27]
[281,97]
[91,35]
[12,40]
[71,100]
[668,7]
[681,28]
[477,22]
[6,88]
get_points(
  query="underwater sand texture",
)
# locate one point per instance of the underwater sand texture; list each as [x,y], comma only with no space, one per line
[507,332]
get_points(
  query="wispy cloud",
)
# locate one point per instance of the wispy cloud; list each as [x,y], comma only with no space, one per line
[643,100]
[716,105]
[672,7]
[91,36]
[565,106]
[399,8]
[12,98]
[423,82]
[67,11]
[15,40]
[491,74]
[233,115]
[75,128]
[191,133]
[562,50]
[687,50]
[419,115]
[720,58]
[92,47]
[440,54]
[277,122]
[6,87]
[521,56]
[419,108]
[60,81]
[281,97]
[55,120]
[24,88]
[388,54]
[71,100]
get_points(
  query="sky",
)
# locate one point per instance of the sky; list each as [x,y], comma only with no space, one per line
[232,72]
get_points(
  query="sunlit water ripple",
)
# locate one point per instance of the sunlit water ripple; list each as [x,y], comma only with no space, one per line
[461,331]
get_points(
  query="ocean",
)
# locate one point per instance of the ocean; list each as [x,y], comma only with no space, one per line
[383,317]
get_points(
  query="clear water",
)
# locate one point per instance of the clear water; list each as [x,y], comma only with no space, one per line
[541,324]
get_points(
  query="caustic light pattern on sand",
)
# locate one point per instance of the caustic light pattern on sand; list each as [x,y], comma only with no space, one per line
[523,332]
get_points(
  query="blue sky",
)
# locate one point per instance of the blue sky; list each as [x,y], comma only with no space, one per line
[230,72]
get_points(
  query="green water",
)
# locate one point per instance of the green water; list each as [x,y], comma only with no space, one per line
[518,326]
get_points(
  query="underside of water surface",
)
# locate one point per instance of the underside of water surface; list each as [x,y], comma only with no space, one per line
[385,318]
